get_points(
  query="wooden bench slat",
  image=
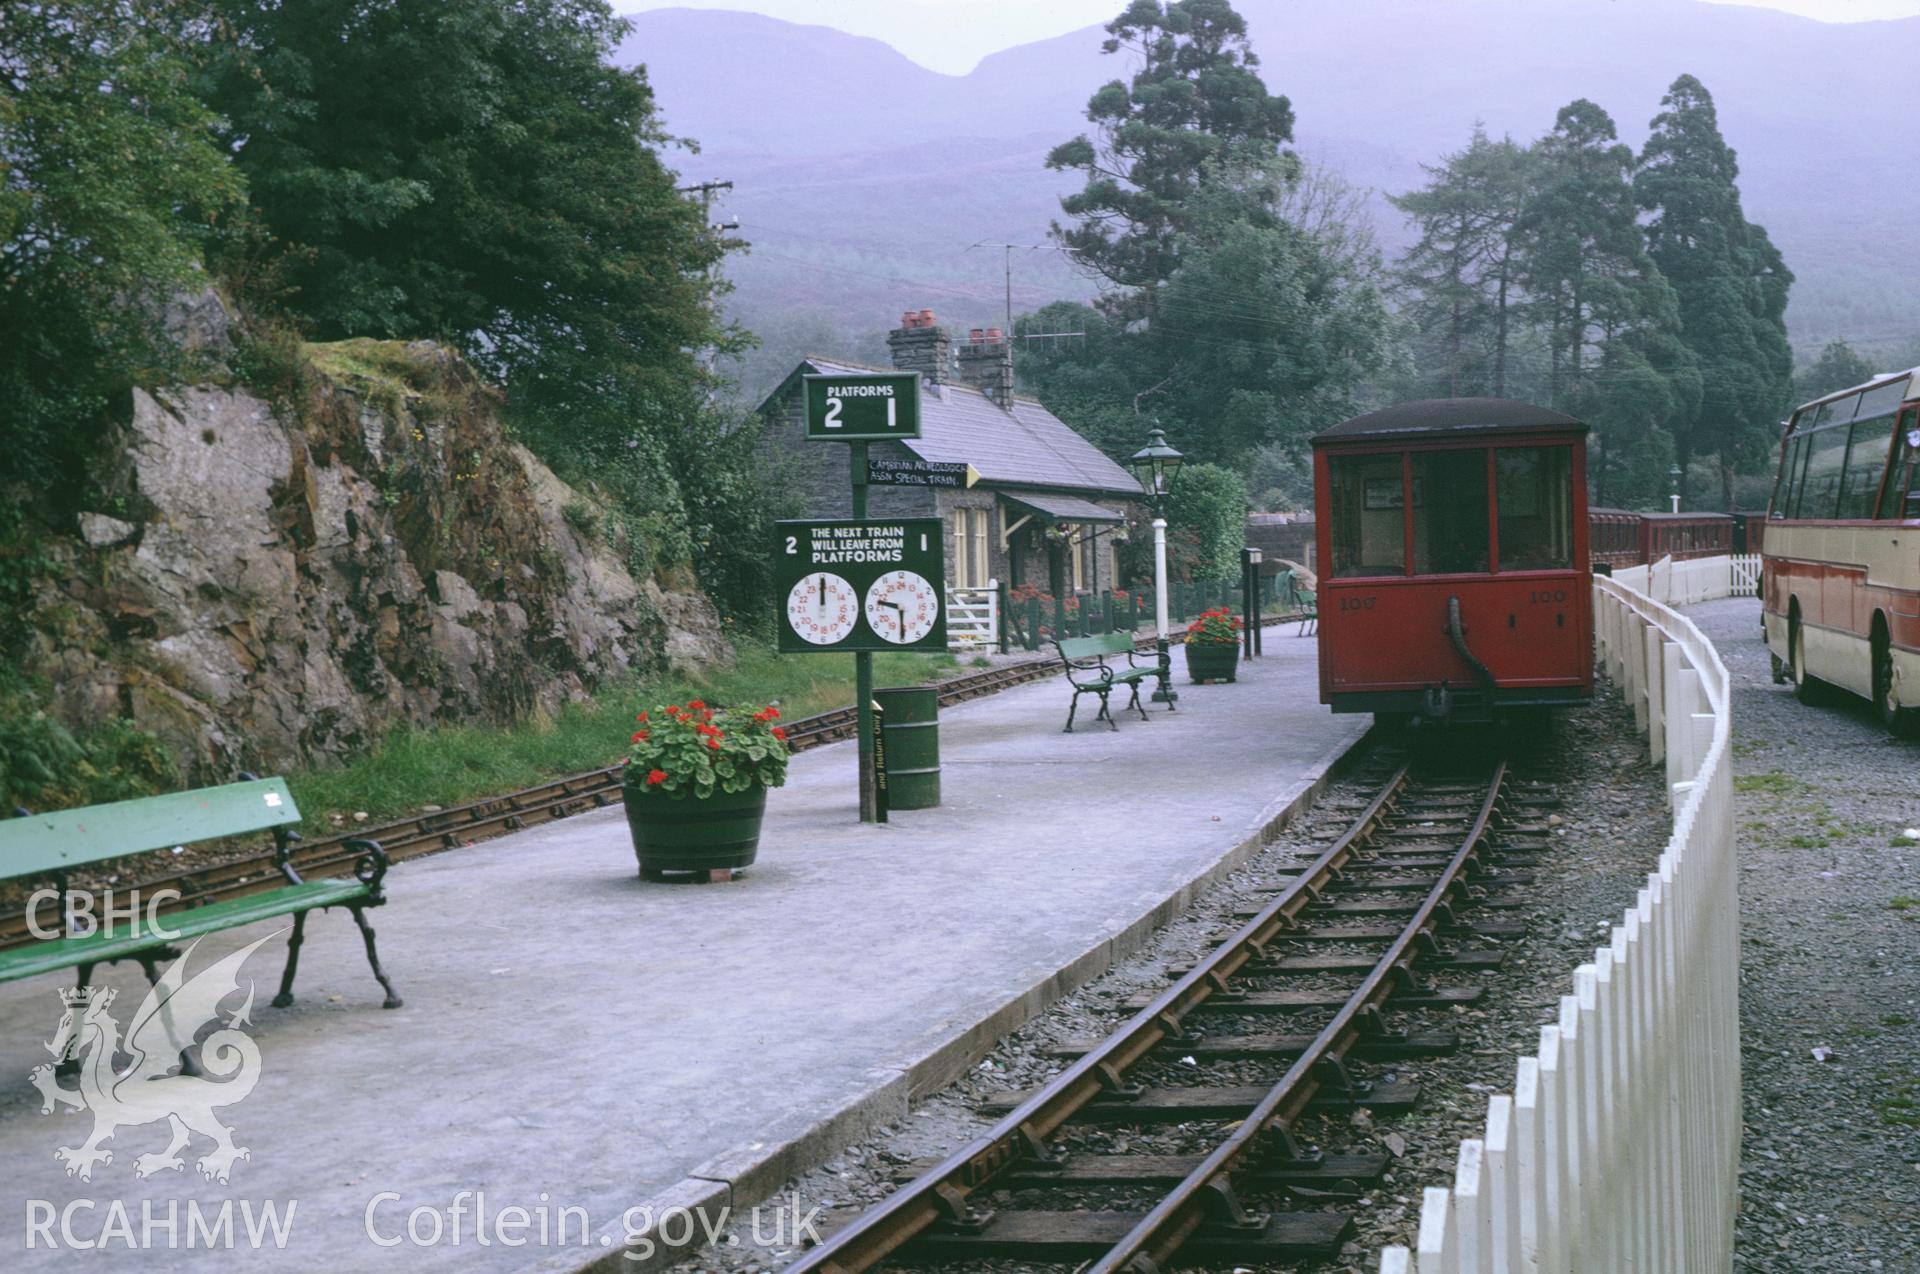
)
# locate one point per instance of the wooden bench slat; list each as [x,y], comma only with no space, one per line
[40,843]
[122,940]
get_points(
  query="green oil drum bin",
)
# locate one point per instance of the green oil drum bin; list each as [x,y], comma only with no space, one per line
[910,728]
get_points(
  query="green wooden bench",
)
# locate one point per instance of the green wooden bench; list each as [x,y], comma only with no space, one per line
[1089,673]
[1310,612]
[49,847]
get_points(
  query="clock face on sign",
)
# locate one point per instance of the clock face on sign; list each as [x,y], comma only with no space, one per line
[902,606]
[821,608]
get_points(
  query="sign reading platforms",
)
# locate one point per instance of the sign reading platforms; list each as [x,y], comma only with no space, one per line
[865,408]
[861,586]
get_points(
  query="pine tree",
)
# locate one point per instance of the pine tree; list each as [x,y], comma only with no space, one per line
[1463,267]
[1611,319]
[1195,103]
[1729,281]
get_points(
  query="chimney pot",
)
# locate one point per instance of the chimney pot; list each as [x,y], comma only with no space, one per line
[926,318]
[973,334]
[995,335]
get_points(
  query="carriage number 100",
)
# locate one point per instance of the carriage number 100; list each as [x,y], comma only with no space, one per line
[1547,595]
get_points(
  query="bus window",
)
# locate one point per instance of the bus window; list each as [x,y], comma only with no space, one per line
[1903,482]
[1783,499]
[1533,489]
[1449,512]
[1866,463]
[1820,486]
[1369,506]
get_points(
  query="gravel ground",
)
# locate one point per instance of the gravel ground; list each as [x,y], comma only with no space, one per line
[1830,972]
[1603,836]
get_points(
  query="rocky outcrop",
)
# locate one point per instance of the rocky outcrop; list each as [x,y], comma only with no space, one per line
[270,588]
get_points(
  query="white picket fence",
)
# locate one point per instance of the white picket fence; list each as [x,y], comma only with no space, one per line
[973,617]
[1619,1147]
[1698,579]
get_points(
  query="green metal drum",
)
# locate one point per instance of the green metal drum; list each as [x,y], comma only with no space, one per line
[910,728]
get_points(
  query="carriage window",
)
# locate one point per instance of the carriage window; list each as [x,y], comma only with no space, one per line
[1866,462]
[1884,398]
[1533,488]
[1449,512]
[1820,486]
[1368,508]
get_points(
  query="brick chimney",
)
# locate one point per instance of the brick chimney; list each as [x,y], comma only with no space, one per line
[986,363]
[920,345]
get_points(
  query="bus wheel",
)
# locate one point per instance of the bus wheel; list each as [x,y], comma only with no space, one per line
[1900,722]
[1808,688]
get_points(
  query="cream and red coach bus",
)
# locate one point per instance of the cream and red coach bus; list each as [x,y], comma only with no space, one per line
[1840,573]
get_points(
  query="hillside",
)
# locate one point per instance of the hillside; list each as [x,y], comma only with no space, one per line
[861,177]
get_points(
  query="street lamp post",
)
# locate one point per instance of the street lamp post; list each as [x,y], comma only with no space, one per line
[1673,486]
[1157,465]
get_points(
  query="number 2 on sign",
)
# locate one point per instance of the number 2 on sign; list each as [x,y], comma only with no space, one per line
[832,419]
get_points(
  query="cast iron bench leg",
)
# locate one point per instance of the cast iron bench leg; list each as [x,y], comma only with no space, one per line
[1072,708]
[373,957]
[70,1063]
[285,997]
[1106,710]
[1135,703]
[153,979]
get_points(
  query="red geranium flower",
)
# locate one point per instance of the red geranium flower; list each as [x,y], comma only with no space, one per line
[642,717]
[638,736]
[714,743]
[656,776]
[696,703]
[778,733]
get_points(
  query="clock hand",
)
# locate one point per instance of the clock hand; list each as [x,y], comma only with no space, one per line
[823,592]
[899,615]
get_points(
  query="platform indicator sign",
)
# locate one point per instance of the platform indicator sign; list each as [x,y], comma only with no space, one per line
[861,585]
[865,408]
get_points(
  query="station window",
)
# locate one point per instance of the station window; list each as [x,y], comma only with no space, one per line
[1533,491]
[1369,504]
[1819,493]
[1449,512]
[1866,463]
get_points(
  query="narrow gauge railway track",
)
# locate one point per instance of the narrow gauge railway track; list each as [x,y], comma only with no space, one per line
[1390,900]
[495,816]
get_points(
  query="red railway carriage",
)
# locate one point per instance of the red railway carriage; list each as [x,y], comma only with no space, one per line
[1684,535]
[1614,537]
[1454,573]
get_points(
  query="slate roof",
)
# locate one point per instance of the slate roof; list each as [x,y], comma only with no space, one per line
[1450,415]
[1027,447]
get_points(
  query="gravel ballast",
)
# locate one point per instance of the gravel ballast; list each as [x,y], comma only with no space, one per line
[1830,972]
[1604,835]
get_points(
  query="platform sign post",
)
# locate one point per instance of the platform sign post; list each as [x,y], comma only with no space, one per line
[860,585]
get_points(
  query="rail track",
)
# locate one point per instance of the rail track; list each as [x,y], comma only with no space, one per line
[1386,923]
[428,833]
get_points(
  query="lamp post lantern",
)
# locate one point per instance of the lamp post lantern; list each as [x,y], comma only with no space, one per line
[1673,485]
[1156,465]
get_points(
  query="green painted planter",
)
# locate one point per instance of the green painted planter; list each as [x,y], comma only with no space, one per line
[693,834]
[1212,660]
[911,728]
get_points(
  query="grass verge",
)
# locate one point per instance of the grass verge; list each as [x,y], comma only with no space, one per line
[452,765]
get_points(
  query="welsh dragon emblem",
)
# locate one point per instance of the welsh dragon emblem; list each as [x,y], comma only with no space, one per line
[154,1085]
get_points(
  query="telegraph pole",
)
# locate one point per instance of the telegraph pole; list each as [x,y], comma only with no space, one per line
[706,190]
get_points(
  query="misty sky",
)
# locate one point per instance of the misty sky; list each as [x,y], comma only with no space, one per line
[952,35]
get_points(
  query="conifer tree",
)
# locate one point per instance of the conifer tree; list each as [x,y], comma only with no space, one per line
[1195,103]
[1729,281]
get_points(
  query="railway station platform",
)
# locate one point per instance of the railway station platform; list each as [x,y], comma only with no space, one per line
[577,1043]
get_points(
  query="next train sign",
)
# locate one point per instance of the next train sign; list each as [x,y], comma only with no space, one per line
[865,408]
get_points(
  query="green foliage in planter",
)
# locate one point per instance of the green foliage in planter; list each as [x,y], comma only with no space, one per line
[692,749]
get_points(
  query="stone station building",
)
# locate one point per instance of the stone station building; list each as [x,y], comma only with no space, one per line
[1049,509]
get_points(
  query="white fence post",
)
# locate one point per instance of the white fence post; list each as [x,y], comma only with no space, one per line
[1619,1147]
